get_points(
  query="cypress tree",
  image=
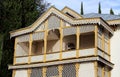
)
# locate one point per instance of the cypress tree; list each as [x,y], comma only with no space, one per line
[15,14]
[99,8]
[111,11]
[82,12]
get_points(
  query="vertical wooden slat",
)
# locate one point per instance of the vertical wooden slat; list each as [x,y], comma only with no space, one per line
[44,71]
[61,38]
[103,72]
[30,48]
[45,40]
[77,42]
[15,46]
[95,69]
[60,70]
[29,72]
[13,73]
[96,38]
[77,65]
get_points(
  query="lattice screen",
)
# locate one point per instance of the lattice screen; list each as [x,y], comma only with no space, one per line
[87,28]
[36,72]
[69,70]
[53,22]
[38,36]
[69,31]
[23,38]
[99,42]
[52,71]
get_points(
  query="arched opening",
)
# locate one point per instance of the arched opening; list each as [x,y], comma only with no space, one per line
[53,41]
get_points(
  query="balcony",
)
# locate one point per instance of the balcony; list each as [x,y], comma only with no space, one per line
[70,46]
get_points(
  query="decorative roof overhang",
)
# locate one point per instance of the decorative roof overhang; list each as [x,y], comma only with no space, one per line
[64,17]
[72,12]
[114,22]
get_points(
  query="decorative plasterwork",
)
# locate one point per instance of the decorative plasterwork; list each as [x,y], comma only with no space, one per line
[63,16]
[80,60]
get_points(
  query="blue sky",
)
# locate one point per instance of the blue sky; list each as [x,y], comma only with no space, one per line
[90,6]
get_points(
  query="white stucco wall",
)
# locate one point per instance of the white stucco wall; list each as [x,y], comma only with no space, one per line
[86,70]
[115,53]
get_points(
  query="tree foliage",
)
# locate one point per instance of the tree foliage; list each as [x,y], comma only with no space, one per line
[15,14]
[81,12]
[99,8]
[111,11]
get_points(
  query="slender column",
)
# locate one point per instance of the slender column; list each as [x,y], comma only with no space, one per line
[60,67]
[109,74]
[15,47]
[13,73]
[77,42]
[30,48]
[77,65]
[29,72]
[45,40]
[95,69]
[96,38]
[44,71]
[61,38]
[103,72]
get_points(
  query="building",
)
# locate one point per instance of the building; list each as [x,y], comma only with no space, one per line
[62,43]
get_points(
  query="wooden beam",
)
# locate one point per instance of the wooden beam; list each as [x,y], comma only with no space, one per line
[13,73]
[60,67]
[96,38]
[29,72]
[103,71]
[15,46]
[44,71]
[30,48]
[45,40]
[78,41]
[77,65]
[96,68]
[61,39]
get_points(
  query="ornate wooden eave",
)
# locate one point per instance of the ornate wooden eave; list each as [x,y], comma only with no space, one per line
[114,22]
[63,16]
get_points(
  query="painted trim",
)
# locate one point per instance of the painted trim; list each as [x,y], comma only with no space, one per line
[13,73]
[45,40]
[60,67]
[44,69]
[95,68]
[30,48]
[77,65]
[61,38]
[77,42]
[96,39]
[80,60]
[15,46]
